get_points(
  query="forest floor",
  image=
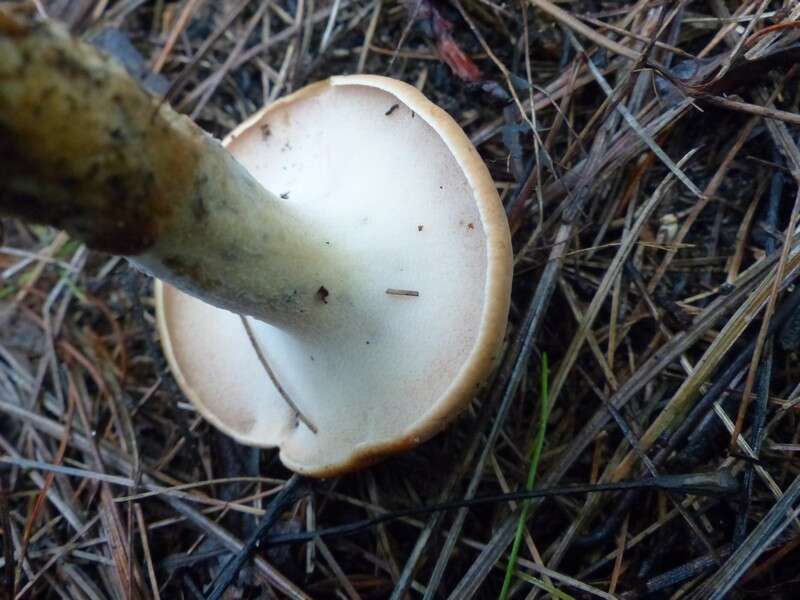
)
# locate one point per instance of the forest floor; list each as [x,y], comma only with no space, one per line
[647,156]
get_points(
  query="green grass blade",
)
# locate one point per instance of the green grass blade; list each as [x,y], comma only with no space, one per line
[536,452]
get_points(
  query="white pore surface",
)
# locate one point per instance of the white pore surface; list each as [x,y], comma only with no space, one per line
[377,186]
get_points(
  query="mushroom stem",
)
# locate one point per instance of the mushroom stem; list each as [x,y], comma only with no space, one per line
[84,148]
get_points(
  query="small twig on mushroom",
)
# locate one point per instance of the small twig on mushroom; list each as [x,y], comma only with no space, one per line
[263,360]
[397,292]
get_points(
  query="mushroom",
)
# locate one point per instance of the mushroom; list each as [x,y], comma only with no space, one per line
[397,310]
[375,275]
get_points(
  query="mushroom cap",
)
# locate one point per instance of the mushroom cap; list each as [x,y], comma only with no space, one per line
[390,181]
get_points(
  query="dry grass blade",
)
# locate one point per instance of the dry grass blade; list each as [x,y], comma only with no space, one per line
[754,109]
[151,573]
[575,24]
[51,468]
[180,24]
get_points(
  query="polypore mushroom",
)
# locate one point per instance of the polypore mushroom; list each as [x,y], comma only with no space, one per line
[376,277]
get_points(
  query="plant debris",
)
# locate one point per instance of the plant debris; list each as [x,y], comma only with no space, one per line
[647,156]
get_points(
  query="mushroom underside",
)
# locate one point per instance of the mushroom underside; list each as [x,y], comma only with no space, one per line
[399,315]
